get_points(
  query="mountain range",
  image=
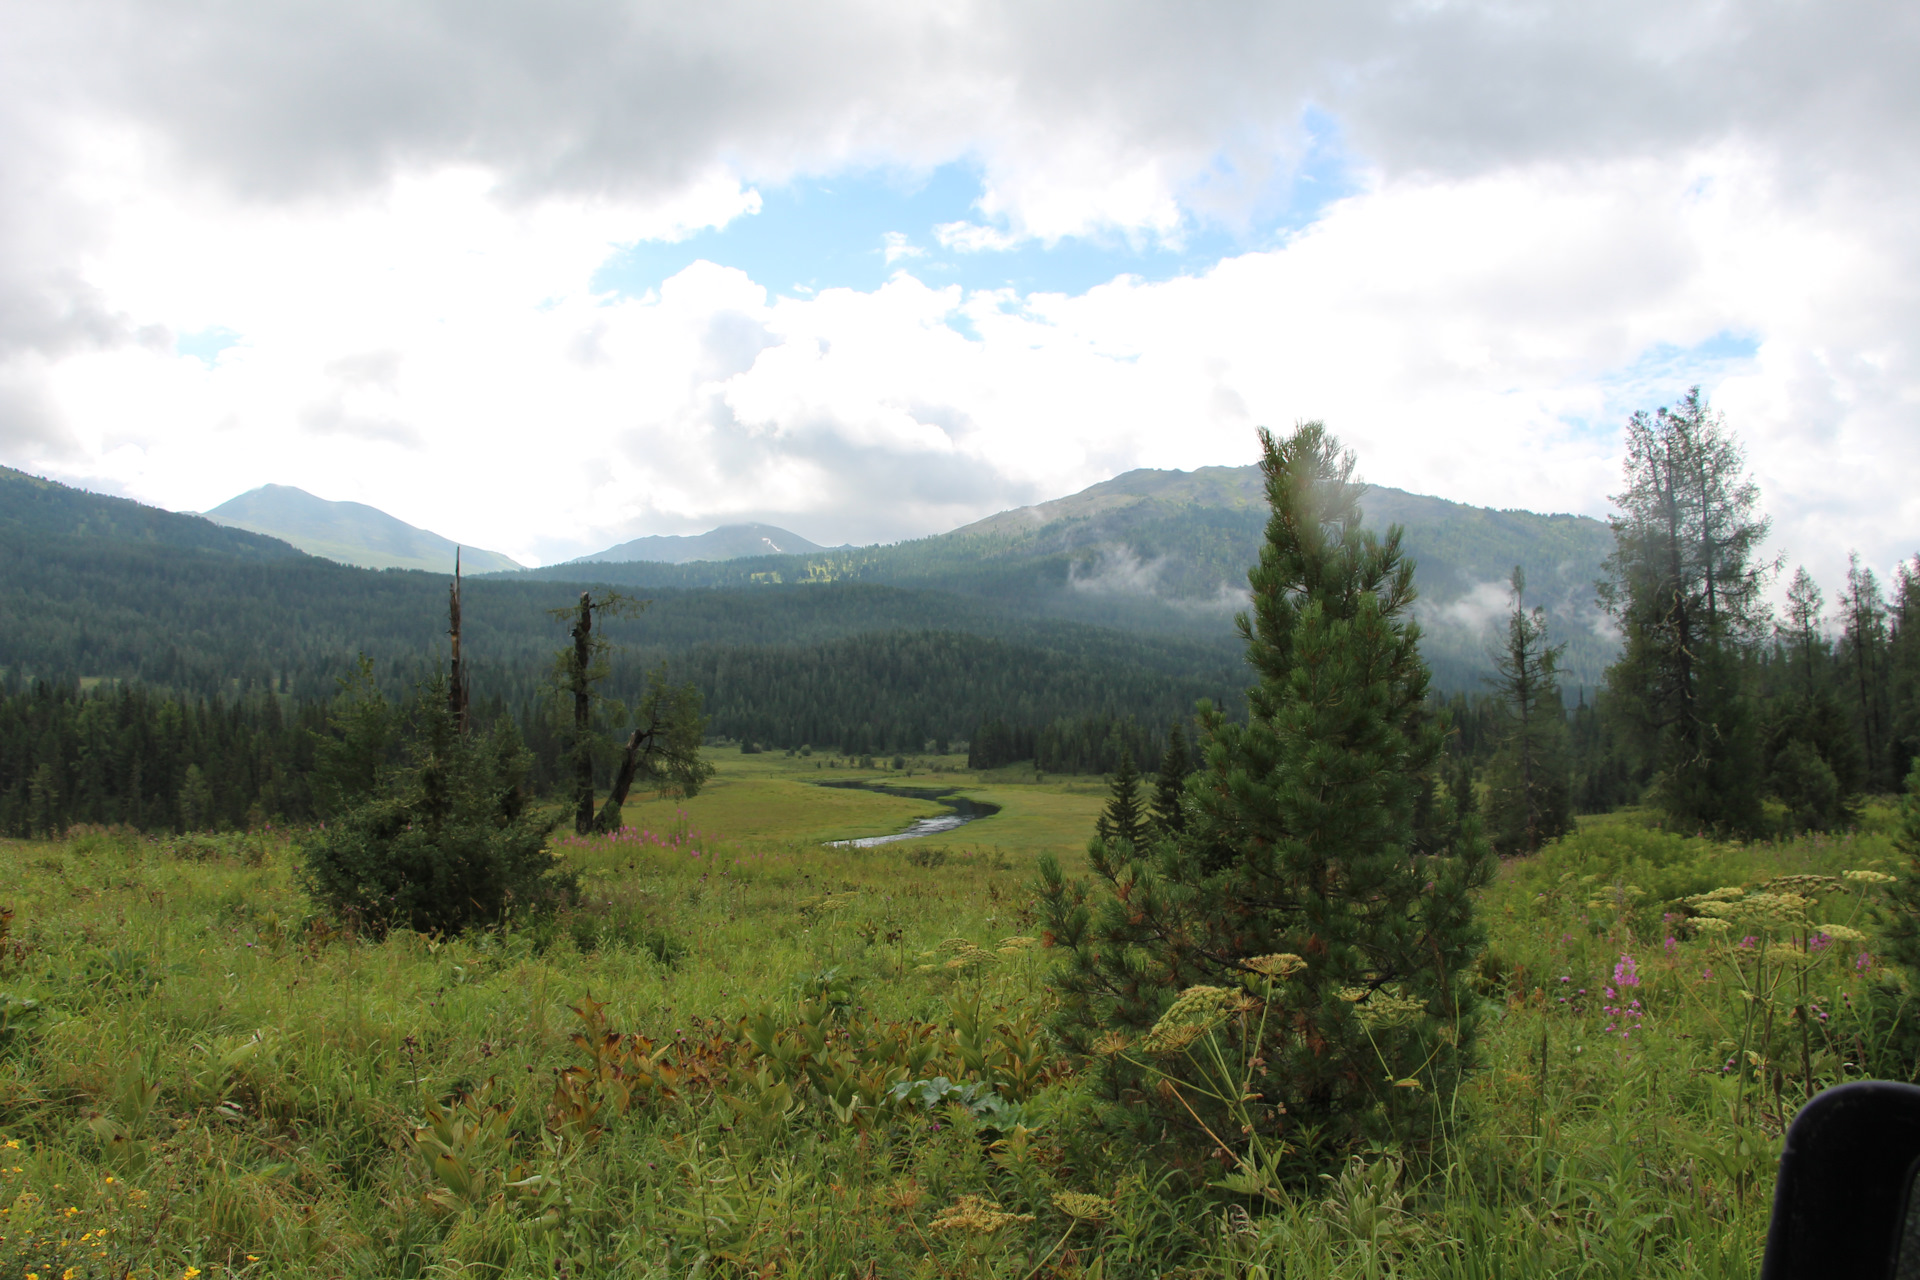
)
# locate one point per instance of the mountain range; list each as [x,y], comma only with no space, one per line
[349,532]
[1111,604]
[1167,552]
[728,542]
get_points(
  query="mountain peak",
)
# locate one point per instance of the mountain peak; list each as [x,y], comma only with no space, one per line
[728,542]
[350,532]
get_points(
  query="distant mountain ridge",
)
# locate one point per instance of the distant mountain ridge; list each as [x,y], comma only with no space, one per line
[349,532]
[1168,552]
[728,542]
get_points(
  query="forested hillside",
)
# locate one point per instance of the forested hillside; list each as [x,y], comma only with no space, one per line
[214,648]
[1167,552]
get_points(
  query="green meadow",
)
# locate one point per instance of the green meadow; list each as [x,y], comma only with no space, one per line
[743,1053]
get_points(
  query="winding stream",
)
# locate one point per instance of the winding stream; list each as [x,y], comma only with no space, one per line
[965,810]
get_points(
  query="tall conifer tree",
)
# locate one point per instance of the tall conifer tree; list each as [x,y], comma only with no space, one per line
[1317,846]
[1530,793]
[1124,818]
[1685,585]
[1171,784]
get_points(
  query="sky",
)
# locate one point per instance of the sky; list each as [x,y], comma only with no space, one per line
[546,277]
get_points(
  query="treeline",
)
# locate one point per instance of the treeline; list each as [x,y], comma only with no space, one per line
[157,763]
[898,691]
[1085,744]
[1724,712]
[158,760]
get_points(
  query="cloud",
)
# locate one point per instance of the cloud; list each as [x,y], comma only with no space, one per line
[971,237]
[402,208]
[898,245]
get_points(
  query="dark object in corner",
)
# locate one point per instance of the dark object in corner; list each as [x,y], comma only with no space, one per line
[1846,1204]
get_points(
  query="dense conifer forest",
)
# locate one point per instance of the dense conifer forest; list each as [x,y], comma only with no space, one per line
[162,671]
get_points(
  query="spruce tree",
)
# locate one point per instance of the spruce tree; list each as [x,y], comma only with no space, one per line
[1903,663]
[1863,616]
[1814,765]
[1530,787]
[1123,818]
[1322,883]
[1170,785]
[443,842]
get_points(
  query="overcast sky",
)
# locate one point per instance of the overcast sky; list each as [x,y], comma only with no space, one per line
[543,277]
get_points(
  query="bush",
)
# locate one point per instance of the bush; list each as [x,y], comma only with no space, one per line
[443,843]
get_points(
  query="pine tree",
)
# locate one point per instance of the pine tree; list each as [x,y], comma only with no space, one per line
[1318,876]
[1530,796]
[1902,927]
[1123,819]
[1167,817]
[1686,587]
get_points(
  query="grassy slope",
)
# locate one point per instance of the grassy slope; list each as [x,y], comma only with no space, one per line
[291,1070]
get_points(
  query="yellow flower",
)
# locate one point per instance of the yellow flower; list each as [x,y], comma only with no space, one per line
[189,1273]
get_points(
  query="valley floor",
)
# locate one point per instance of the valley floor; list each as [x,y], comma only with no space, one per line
[198,1079]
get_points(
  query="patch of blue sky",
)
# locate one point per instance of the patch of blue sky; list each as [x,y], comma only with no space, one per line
[205,344]
[1663,373]
[855,229]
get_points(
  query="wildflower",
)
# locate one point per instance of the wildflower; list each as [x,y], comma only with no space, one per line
[1281,965]
[1867,877]
[1081,1206]
[1625,974]
[1672,944]
[972,1213]
[1197,1011]
[1842,933]
[1863,961]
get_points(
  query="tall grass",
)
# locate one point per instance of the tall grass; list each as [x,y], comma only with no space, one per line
[195,1073]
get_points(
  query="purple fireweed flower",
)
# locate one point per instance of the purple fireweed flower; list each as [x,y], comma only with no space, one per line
[1672,944]
[1626,974]
[1819,942]
[1863,961]
[1748,943]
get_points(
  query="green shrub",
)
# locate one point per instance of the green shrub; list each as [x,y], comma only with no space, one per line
[443,843]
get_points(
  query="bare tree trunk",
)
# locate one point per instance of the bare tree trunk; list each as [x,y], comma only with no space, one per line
[623,778]
[457,675]
[583,717]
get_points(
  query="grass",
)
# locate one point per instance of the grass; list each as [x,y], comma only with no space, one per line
[208,1079]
